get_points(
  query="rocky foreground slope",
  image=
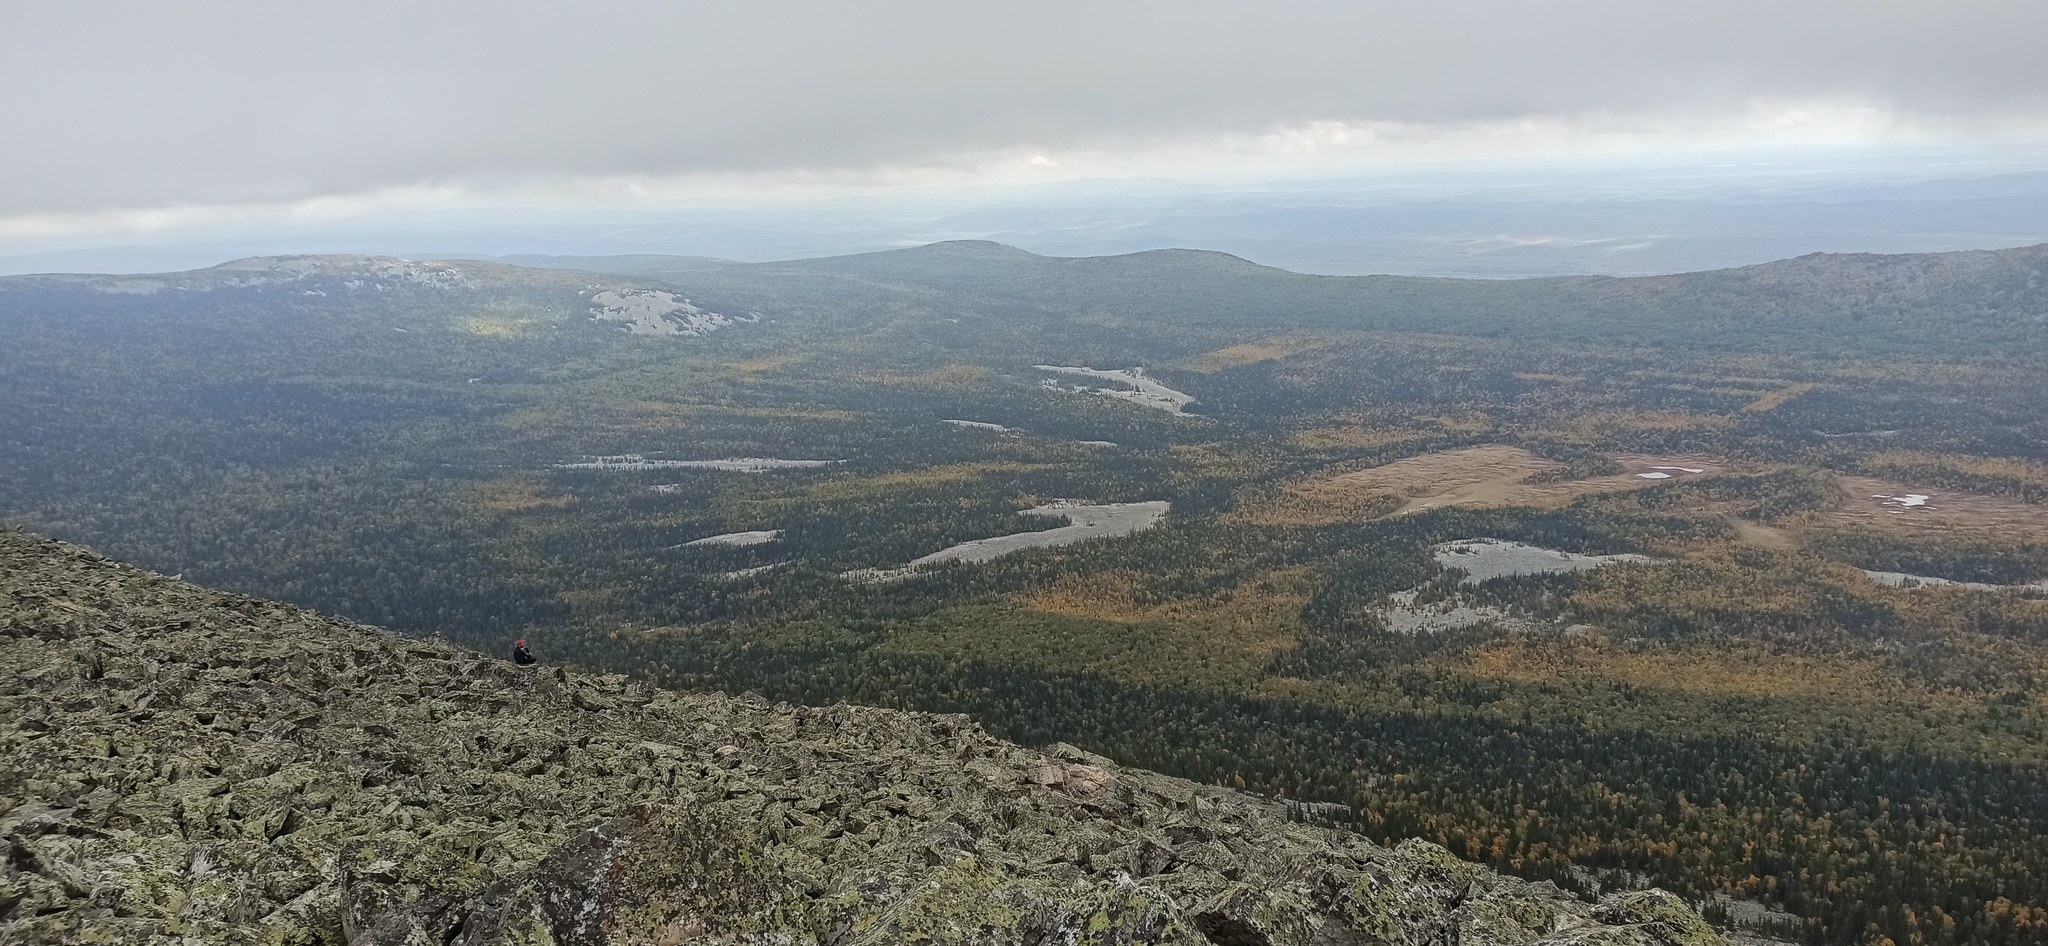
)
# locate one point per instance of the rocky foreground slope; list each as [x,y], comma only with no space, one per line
[182,765]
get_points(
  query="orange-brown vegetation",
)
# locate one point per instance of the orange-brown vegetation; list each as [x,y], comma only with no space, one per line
[1726,594]
[1251,353]
[1198,461]
[1241,629]
[1750,532]
[1598,426]
[679,410]
[1113,624]
[1353,432]
[949,376]
[1272,602]
[1775,398]
[1355,437]
[1915,465]
[1871,505]
[769,363]
[1492,475]
[1101,596]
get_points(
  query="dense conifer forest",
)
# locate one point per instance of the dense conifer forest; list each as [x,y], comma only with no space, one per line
[1803,687]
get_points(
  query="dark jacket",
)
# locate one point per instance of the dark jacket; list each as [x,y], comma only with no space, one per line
[520,655]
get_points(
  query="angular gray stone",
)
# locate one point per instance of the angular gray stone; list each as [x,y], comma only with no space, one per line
[179,765]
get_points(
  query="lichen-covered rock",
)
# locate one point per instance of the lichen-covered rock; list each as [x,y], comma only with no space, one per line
[183,766]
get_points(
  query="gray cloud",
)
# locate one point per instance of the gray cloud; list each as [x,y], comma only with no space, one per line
[138,103]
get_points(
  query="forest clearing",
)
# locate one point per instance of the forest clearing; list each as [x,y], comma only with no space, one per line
[1893,508]
[1494,475]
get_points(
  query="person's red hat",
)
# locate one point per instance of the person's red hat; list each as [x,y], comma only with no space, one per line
[519,644]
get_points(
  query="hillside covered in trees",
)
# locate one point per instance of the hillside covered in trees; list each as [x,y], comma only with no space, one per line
[1729,583]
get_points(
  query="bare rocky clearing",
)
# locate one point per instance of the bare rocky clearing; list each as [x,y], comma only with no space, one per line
[1485,559]
[634,461]
[759,537]
[654,312]
[1086,522]
[1129,384]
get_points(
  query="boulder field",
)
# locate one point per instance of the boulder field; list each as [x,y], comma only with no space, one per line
[181,765]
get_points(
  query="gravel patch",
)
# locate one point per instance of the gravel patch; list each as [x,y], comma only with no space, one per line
[1484,559]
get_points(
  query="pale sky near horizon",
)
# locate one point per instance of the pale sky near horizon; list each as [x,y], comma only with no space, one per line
[127,114]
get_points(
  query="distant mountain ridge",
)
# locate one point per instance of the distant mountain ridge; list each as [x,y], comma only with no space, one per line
[1978,302]
[530,295]
[1990,301]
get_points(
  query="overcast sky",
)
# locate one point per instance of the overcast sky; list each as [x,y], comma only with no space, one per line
[113,109]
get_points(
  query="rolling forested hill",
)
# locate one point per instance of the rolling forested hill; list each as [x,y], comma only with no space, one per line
[1728,582]
[1971,303]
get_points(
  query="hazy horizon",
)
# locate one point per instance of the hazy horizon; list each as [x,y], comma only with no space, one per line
[1624,218]
[1472,138]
